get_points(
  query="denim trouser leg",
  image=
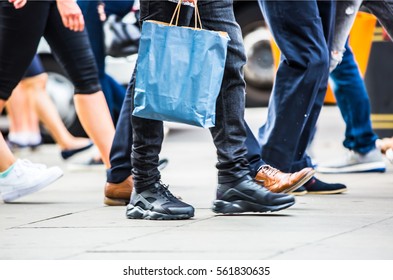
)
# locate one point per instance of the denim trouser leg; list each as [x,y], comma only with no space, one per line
[229,134]
[253,152]
[120,154]
[148,134]
[302,30]
[354,104]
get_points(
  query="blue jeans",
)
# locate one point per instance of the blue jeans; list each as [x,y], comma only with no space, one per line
[229,133]
[113,91]
[302,30]
[354,104]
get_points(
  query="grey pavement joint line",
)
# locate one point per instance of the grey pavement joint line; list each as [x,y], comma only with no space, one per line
[43,220]
[52,218]
[327,238]
[97,250]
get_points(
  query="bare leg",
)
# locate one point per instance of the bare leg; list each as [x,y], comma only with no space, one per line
[7,158]
[25,120]
[95,118]
[48,114]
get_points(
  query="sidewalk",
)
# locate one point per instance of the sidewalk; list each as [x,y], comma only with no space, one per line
[68,220]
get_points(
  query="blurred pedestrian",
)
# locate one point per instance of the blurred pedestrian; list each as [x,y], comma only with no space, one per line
[39,106]
[237,191]
[61,23]
[352,100]
[303,32]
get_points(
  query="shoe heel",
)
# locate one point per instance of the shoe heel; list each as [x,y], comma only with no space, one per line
[115,202]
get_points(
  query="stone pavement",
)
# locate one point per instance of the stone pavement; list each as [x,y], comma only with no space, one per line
[69,221]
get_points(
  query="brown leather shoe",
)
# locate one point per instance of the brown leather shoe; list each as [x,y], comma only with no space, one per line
[118,194]
[279,182]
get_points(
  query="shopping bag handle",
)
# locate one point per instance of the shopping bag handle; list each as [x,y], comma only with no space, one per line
[176,14]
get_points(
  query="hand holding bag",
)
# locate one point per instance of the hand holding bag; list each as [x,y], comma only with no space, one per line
[179,72]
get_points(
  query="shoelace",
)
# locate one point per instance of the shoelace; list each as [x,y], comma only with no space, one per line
[164,190]
[271,171]
[26,166]
[28,163]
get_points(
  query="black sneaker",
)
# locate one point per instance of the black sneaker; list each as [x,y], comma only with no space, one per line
[157,203]
[315,186]
[248,196]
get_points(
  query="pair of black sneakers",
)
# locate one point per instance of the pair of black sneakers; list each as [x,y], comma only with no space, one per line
[158,203]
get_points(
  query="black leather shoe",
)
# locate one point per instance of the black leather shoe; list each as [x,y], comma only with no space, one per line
[65,154]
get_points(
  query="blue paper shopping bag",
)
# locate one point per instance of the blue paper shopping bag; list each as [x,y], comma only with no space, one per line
[179,73]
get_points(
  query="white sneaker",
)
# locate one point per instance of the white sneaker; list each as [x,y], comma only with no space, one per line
[26,178]
[389,155]
[355,162]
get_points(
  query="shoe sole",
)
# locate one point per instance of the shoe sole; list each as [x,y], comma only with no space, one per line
[299,193]
[365,167]
[115,201]
[136,212]
[328,192]
[241,206]
[300,183]
[11,196]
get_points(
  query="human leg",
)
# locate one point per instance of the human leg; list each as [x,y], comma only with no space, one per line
[23,121]
[119,182]
[300,83]
[229,133]
[354,104]
[272,178]
[17,48]
[150,198]
[74,52]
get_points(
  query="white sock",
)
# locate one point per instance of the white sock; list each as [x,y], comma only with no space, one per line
[35,138]
[19,138]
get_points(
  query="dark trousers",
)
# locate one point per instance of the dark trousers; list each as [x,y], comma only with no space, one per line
[20,33]
[229,133]
[302,30]
[120,155]
[352,99]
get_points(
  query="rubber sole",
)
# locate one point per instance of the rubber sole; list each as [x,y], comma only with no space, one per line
[115,202]
[297,193]
[358,168]
[136,212]
[241,206]
[328,192]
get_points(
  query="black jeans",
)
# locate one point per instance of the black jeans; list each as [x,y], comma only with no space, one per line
[120,155]
[229,134]
[20,33]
